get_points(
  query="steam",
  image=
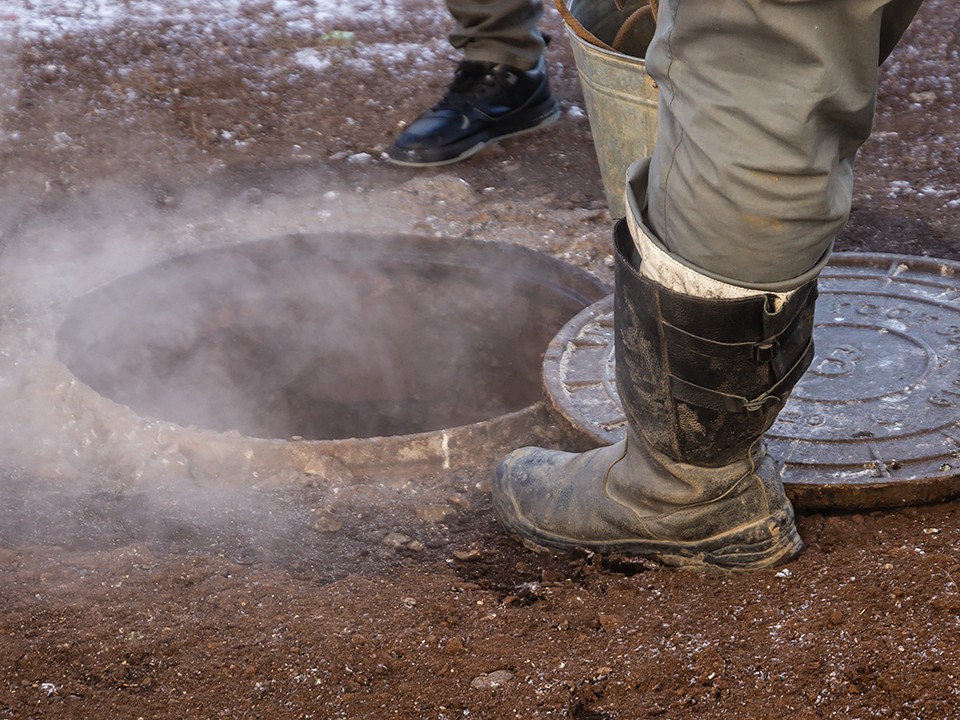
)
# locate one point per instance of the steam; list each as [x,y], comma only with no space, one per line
[65,448]
[235,362]
[325,337]
[125,323]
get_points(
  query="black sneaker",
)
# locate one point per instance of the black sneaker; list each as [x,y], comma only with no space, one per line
[485,103]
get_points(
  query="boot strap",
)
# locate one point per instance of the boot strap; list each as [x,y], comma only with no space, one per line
[772,399]
[763,351]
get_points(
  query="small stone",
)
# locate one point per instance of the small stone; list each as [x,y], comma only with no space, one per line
[922,97]
[415,546]
[470,555]
[460,501]
[360,158]
[434,513]
[836,617]
[325,521]
[396,540]
[440,187]
[492,681]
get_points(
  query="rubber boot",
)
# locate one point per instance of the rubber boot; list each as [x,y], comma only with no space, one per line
[701,379]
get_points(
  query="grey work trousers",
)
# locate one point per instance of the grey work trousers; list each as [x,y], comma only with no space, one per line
[498,31]
[763,106]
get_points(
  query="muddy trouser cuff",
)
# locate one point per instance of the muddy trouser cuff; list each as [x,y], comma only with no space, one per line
[498,31]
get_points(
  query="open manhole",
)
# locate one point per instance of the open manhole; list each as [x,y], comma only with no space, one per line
[874,423]
[367,349]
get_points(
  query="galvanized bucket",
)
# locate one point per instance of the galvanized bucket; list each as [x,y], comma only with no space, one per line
[610,40]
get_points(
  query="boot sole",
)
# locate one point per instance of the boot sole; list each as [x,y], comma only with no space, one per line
[551,117]
[760,545]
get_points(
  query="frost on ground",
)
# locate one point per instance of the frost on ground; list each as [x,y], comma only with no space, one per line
[43,19]
[333,36]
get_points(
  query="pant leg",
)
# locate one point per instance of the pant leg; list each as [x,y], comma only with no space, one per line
[763,105]
[499,31]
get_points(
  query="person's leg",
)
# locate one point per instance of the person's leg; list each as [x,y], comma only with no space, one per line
[763,105]
[500,89]
[701,379]
[503,32]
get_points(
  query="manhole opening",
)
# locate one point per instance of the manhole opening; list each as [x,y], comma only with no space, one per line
[327,337]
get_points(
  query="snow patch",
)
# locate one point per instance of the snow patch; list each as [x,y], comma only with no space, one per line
[311,59]
[49,19]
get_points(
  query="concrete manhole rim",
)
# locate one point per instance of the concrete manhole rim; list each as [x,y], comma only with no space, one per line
[883,483]
[213,452]
[216,454]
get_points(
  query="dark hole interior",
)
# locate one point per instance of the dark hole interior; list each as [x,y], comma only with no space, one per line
[328,336]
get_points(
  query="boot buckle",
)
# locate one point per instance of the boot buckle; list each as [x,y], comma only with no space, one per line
[766,351]
[761,405]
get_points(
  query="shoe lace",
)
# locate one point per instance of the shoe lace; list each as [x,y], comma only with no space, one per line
[472,80]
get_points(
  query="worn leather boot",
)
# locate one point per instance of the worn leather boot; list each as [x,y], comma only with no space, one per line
[701,379]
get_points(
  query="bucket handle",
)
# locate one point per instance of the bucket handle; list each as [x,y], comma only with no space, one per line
[652,7]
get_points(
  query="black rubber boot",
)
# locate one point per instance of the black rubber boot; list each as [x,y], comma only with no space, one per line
[701,380]
[484,104]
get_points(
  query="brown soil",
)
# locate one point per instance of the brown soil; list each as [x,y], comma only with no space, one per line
[401,598]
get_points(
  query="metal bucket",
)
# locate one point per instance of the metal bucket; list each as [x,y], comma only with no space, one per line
[609,43]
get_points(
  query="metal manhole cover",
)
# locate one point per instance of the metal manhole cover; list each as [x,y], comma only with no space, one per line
[874,423]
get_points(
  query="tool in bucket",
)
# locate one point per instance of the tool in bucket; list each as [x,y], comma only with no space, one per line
[609,40]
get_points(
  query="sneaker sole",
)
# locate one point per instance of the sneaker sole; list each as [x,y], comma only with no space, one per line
[549,119]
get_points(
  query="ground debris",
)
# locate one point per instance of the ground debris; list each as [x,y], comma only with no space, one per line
[434,513]
[325,521]
[471,555]
[396,540]
[492,680]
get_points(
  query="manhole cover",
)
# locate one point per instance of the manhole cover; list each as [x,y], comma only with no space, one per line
[874,423]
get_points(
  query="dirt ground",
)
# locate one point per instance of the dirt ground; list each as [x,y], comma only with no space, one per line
[128,143]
